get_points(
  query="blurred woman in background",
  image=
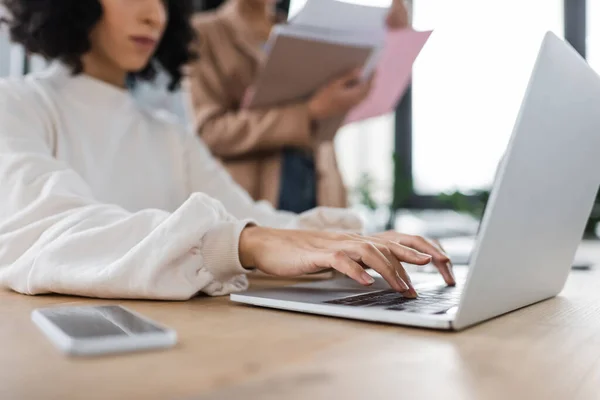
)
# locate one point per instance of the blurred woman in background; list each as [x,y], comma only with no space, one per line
[273,153]
[101,198]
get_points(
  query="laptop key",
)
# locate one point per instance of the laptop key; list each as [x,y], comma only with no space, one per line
[429,302]
[398,308]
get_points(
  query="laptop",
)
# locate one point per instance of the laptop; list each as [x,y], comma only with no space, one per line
[533,223]
[460,249]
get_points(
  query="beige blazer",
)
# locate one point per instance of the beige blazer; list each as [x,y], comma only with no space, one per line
[249,143]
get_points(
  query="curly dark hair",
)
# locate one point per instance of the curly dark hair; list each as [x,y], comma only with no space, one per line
[59,30]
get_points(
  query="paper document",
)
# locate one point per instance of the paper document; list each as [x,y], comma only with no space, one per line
[393,72]
[301,60]
[342,37]
[341,15]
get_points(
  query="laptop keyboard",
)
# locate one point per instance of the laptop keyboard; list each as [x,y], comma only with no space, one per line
[432,301]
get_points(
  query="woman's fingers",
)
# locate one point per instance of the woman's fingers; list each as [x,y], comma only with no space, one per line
[349,79]
[440,260]
[403,253]
[407,254]
[341,262]
[395,254]
[397,265]
[368,254]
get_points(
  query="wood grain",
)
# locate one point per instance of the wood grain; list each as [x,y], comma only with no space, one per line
[227,351]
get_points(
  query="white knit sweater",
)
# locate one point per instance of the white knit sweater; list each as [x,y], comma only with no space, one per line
[101,198]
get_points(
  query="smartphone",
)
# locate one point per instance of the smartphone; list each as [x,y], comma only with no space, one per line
[99,330]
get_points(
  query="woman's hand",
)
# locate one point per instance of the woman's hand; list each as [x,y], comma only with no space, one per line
[439,259]
[339,97]
[398,17]
[293,253]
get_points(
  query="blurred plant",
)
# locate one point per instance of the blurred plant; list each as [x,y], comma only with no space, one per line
[473,203]
[364,191]
[401,191]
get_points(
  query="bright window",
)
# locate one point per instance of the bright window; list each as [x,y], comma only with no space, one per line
[468,84]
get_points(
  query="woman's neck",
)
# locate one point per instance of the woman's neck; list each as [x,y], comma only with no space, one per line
[259,18]
[104,71]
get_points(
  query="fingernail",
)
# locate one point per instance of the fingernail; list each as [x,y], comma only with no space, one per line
[424,256]
[402,284]
[451,270]
[368,279]
[412,293]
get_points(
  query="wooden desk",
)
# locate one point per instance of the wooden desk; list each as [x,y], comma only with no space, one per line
[548,351]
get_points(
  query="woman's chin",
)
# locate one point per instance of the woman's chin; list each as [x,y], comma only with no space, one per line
[137,66]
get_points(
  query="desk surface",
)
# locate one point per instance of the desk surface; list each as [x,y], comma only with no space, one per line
[226,351]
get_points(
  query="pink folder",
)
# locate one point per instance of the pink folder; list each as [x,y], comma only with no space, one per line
[393,73]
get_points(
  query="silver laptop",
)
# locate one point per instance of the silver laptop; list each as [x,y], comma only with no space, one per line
[533,224]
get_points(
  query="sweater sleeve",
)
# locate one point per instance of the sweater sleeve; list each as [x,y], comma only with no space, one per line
[55,237]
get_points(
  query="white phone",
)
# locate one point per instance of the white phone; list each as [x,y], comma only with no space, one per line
[101,330]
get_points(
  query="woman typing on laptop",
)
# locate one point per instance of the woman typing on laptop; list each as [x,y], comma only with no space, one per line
[100,198]
[273,153]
